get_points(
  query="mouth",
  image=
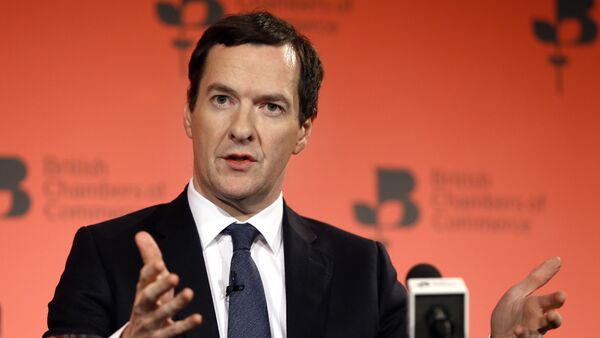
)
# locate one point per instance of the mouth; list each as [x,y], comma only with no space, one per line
[239,162]
[240,157]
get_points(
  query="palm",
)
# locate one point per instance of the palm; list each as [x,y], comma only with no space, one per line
[521,314]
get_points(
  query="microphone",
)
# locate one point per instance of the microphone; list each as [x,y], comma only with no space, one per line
[233,285]
[438,307]
[423,270]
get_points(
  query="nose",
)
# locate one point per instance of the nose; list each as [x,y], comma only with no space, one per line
[242,128]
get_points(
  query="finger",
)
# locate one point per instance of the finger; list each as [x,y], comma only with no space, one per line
[552,320]
[521,332]
[180,326]
[152,292]
[151,272]
[552,301]
[170,308]
[148,248]
[539,276]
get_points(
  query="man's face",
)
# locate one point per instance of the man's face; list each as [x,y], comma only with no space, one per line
[245,126]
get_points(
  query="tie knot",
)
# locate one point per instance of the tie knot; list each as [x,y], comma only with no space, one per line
[242,235]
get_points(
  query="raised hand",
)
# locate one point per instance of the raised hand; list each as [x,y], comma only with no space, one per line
[521,314]
[155,302]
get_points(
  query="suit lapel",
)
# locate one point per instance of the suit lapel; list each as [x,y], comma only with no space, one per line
[179,242]
[308,273]
[308,270]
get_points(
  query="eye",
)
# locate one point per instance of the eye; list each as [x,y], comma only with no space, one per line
[272,109]
[221,101]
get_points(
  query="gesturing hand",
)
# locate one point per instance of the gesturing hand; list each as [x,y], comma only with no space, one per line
[155,302]
[521,314]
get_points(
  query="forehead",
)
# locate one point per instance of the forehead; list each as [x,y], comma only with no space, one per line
[253,68]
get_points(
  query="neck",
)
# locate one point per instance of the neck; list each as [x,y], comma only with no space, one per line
[241,209]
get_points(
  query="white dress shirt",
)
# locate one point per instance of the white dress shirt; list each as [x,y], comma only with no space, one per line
[267,253]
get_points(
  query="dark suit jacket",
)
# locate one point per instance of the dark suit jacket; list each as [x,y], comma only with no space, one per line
[338,285]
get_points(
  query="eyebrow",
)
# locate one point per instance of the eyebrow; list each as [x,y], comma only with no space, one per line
[219,87]
[275,97]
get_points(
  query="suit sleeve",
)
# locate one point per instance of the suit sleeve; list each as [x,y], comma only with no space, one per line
[392,299]
[82,298]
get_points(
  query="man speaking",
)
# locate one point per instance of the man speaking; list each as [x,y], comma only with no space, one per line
[228,257]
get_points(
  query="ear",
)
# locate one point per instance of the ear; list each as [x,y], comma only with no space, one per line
[187,121]
[303,136]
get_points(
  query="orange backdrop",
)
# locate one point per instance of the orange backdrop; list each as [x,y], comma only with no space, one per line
[450,130]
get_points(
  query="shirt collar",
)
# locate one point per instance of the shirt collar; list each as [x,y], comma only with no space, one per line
[211,220]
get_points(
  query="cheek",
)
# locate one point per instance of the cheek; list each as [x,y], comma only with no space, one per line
[207,133]
[202,145]
[283,144]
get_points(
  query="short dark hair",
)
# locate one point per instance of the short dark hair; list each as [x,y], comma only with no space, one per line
[260,28]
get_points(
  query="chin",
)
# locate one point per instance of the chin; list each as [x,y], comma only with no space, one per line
[235,193]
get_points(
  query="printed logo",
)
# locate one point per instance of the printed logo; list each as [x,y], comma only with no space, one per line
[576,11]
[394,186]
[12,173]
[182,17]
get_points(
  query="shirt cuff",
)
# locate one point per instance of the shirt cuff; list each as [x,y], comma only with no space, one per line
[119,331]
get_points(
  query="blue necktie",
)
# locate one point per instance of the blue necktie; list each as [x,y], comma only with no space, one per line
[248,316]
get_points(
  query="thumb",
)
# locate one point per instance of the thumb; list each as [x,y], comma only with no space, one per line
[148,248]
[539,276]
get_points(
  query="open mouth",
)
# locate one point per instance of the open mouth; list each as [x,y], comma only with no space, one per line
[240,158]
[240,162]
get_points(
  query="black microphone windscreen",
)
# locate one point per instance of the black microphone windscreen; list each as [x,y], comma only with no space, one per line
[423,270]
